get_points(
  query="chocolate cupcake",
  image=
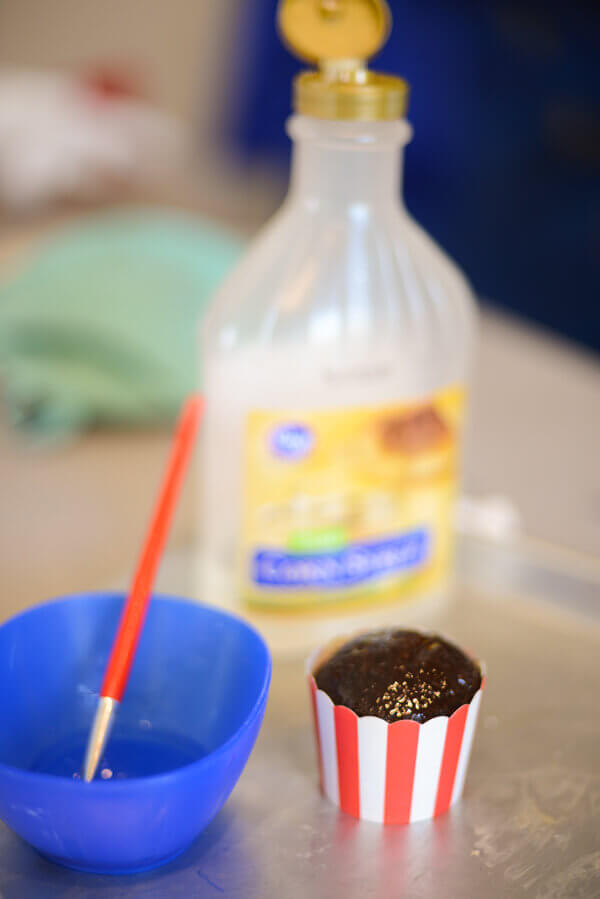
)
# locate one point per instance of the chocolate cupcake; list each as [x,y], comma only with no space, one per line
[399,675]
[395,714]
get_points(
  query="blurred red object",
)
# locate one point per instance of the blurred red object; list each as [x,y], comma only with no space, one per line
[113,83]
[80,137]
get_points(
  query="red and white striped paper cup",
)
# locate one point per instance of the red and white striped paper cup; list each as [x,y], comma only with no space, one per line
[391,773]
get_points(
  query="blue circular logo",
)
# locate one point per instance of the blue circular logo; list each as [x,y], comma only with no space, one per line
[292,441]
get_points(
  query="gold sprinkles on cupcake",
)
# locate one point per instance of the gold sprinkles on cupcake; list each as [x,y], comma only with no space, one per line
[398,675]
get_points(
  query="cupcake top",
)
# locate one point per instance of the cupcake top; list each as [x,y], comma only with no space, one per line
[399,675]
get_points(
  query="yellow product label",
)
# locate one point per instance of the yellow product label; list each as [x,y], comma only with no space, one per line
[348,505]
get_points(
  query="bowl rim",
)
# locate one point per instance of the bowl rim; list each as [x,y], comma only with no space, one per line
[123,786]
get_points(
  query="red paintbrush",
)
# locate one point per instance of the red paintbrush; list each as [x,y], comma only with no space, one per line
[132,618]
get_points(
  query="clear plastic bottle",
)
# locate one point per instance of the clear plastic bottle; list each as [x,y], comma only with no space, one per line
[334,358]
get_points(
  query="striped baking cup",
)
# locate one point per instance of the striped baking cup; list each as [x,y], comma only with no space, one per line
[391,773]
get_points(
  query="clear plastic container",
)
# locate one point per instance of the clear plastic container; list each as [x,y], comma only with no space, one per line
[341,302]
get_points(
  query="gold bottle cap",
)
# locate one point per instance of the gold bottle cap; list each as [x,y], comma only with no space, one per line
[340,36]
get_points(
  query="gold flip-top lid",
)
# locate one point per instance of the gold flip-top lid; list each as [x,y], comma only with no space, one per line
[340,36]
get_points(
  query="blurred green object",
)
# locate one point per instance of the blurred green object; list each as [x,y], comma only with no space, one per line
[100,326]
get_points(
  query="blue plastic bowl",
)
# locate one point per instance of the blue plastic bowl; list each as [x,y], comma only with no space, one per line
[184,731]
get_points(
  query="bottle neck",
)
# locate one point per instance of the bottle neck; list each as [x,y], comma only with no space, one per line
[345,164]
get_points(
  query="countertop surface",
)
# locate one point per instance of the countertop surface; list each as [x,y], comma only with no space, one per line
[526,826]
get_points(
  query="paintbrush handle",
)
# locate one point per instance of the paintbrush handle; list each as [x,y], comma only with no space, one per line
[132,618]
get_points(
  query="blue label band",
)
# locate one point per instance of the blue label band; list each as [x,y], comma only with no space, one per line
[354,564]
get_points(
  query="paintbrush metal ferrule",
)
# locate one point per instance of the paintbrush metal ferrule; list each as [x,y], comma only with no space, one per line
[103,719]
